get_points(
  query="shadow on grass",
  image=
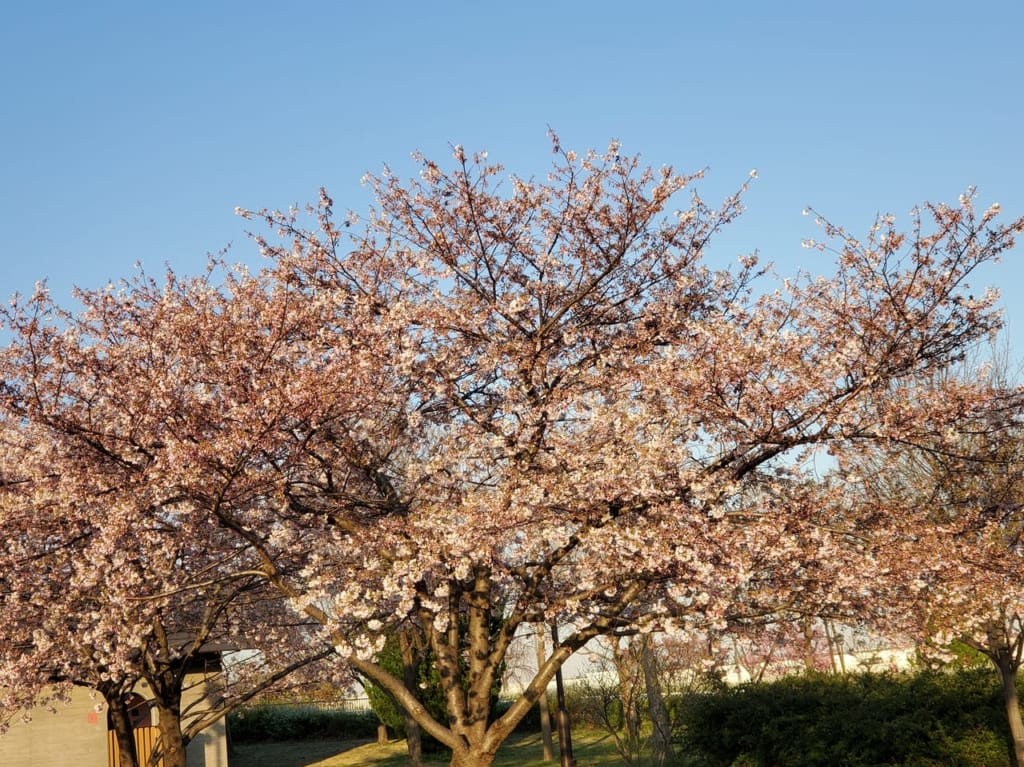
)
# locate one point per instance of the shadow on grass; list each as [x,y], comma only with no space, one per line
[521,751]
[315,753]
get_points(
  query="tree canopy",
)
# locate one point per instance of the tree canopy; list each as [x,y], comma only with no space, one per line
[492,397]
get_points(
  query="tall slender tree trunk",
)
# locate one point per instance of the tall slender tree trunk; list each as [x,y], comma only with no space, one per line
[542,702]
[1008,678]
[410,672]
[661,736]
[564,723]
[808,649]
[625,661]
[831,645]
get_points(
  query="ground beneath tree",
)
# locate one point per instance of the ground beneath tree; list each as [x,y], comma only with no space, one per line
[590,748]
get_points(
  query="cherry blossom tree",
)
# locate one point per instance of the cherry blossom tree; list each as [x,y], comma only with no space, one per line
[946,521]
[779,645]
[572,386]
[118,638]
[493,401]
[107,582]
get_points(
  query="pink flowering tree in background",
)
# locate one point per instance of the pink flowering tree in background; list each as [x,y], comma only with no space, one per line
[806,613]
[779,647]
[946,524]
[492,401]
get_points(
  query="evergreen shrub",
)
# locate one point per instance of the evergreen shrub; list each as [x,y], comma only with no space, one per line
[277,721]
[864,720]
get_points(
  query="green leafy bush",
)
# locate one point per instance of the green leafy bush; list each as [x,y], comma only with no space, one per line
[429,691]
[529,723]
[883,720]
[277,721]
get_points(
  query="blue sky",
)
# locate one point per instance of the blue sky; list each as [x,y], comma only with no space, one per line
[131,130]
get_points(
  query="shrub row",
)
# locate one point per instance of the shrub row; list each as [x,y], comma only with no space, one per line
[290,721]
[277,721]
[889,720]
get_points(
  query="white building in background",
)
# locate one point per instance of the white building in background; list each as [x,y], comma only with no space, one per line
[860,653]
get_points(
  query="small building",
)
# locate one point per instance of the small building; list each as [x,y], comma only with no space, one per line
[78,734]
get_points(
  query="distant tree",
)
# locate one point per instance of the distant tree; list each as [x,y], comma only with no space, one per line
[627,698]
[785,643]
[495,401]
[948,520]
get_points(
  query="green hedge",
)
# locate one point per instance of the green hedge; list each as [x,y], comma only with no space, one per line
[290,721]
[276,721]
[529,723]
[870,720]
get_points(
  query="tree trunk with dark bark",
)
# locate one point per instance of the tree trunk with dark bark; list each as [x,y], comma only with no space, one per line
[172,744]
[410,672]
[123,731]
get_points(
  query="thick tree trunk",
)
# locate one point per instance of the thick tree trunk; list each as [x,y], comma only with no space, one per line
[472,758]
[661,736]
[172,745]
[1008,678]
[414,740]
[542,702]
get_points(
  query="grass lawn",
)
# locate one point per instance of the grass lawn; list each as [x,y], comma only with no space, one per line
[590,748]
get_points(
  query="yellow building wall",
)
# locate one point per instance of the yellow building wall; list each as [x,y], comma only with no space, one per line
[76,735]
